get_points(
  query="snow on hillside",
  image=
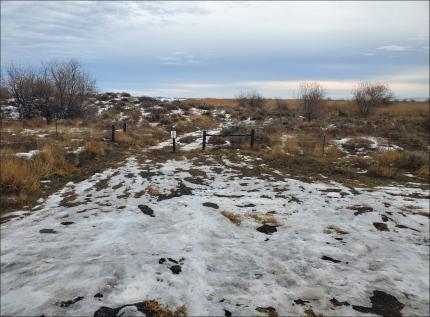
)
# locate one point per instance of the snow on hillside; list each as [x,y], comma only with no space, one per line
[162,231]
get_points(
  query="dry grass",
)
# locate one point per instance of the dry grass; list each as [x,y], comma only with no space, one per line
[332,228]
[22,176]
[264,219]
[153,190]
[96,148]
[156,309]
[203,122]
[234,218]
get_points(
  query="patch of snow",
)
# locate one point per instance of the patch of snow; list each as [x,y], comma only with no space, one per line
[27,155]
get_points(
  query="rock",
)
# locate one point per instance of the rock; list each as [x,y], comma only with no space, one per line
[270,311]
[211,205]
[176,269]
[98,295]
[227,313]
[327,258]
[162,260]
[47,231]
[172,260]
[336,303]
[361,209]
[382,304]
[67,303]
[67,223]
[146,210]
[300,301]
[267,229]
[381,226]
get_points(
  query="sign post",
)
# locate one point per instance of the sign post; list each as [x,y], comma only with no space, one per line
[173,136]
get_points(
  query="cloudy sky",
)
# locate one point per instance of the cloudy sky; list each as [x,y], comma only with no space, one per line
[216,49]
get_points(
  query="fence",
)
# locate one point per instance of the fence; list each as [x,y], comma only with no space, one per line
[251,136]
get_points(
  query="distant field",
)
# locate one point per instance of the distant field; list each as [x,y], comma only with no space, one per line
[397,107]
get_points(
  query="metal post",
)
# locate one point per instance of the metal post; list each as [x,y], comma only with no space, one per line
[113,133]
[174,144]
[124,127]
[323,145]
[252,138]
[204,140]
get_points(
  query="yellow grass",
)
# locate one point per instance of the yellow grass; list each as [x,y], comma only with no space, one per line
[153,190]
[95,147]
[232,217]
[266,218]
[336,229]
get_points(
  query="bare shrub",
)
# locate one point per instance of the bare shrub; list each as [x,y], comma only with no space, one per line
[311,96]
[368,96]
[251,100]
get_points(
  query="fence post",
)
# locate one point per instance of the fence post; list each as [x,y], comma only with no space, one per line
[252,138]
[124,127]
[204,140]
[113,133]
[323,145]
[174,144]
[56,127]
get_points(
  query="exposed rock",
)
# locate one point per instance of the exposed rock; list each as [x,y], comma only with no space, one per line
[176,269]
[267,229]
[47,231]
[382,304]
[327,258]
[381,226]
[146,210]
[211,205]
[67,303]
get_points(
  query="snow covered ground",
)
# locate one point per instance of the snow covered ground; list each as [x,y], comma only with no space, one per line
[157,230]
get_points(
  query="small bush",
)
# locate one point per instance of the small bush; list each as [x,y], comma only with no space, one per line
[95,148]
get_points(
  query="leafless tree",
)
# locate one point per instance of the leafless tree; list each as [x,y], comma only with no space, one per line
[311,95]
[367,96]
[21,82]
[72,86]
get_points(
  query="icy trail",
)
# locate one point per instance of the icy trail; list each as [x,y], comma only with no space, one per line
[108,235]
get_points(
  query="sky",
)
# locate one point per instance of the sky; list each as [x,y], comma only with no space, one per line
[219,49]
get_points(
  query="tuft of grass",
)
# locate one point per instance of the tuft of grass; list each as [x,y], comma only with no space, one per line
[153,308]
[232,217]
[154,190]
[332,228]
[22,176]
[264,219]
[95,148]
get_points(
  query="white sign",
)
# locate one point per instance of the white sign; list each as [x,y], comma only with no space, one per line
[173,134]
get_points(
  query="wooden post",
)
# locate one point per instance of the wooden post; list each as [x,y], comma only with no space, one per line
[124,127]
[56,127]
[204,140]
[113,133]
[323,145]
[252,138]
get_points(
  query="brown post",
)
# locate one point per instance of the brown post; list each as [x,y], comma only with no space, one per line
[124,127]
[323,145]
[113,133]
[204,140]
[56,127]
[252,138]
